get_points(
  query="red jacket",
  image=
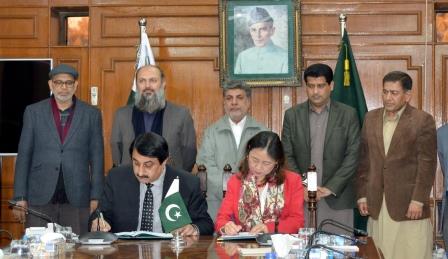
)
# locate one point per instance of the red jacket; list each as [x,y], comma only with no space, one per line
[291,217]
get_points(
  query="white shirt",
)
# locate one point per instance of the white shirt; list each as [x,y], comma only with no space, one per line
[157,190]
[237,129]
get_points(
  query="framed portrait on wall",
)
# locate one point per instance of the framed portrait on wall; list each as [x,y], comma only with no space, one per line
[260,42]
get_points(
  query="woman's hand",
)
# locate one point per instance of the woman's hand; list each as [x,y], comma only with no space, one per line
[260,228]
[231,228]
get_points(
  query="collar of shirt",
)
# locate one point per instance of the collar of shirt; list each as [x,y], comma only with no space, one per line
[397,115]
[237,129]
[159,181]
[326,108]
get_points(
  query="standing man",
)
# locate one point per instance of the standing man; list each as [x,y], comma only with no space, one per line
[224,141]
[442,150]
[396,172]
[152,113]
[134,193]
[60,162]
[324,133]
[264,57]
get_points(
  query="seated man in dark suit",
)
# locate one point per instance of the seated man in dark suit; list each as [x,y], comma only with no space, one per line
[131,200]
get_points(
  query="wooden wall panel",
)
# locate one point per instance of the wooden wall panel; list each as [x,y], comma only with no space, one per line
[184,25]
[383,23]
[23,27]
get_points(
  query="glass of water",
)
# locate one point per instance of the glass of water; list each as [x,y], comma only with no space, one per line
[20,248]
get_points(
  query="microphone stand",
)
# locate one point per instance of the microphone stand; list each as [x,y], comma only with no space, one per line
[358,232]
[34,213]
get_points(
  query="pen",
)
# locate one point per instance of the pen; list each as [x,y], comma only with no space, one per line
[102,220]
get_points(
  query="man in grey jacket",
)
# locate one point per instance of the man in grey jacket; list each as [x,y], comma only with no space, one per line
[224,141]
[152,113]
[59,169]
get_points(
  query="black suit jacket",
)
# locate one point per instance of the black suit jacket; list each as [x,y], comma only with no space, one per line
[120,201]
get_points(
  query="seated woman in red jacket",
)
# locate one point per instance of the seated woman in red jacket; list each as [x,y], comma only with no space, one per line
[263,197]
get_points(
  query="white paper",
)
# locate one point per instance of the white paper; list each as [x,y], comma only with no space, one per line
[137,233]
[239,236]
[282,244]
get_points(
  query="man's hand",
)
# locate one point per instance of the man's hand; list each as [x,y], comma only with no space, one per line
[231,228]
[187,230]
[415,211]
[305,193]
[260,228]
[323,192]
[20,213]
[104,226]
[363,208]
[93,205]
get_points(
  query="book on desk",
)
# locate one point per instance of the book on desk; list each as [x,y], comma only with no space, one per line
[136,235]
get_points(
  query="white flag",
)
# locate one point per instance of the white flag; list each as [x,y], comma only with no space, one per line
[144,57]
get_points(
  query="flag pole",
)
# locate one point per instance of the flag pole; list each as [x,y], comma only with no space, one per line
[343,23]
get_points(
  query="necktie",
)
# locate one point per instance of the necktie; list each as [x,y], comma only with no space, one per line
[148,207]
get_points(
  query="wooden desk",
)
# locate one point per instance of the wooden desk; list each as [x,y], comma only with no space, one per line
[204,247]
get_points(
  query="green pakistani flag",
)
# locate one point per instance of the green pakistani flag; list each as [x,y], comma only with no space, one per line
[173,212]
[348,89]
[347,85]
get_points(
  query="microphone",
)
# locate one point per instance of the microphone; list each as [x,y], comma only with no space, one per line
[356,231]
[354,240]
[34,213]
[308,250]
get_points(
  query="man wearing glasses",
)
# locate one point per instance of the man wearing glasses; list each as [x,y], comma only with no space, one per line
[59,168]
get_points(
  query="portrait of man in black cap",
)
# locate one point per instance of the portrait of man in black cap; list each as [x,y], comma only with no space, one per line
[263,56]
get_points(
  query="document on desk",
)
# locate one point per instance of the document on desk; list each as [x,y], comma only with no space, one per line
[239,236]
[143,235]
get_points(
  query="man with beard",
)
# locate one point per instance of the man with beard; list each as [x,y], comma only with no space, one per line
[325,133]
[59,168]
[224,141]
[152,113]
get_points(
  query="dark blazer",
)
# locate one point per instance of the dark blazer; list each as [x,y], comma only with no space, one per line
[407,172]
[178,130]
[120,201]
[340,157]
[41,154]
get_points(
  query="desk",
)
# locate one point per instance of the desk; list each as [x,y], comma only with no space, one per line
[202,247]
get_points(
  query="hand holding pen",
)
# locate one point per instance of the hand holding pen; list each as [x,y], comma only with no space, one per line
[100,224]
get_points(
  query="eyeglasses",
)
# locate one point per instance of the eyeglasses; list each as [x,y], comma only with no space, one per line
[265,164]
[68,84]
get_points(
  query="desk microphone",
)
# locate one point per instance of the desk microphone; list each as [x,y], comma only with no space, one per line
[33,212]
[353,239]
[356,231]
[308,250]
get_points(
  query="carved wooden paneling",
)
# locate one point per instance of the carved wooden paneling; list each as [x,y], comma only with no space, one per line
[441,83]
[24,3]
[368,22]
[153,2]
[23,27]
[184,25]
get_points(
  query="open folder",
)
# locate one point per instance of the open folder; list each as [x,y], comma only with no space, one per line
[239,236]
[143,235]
